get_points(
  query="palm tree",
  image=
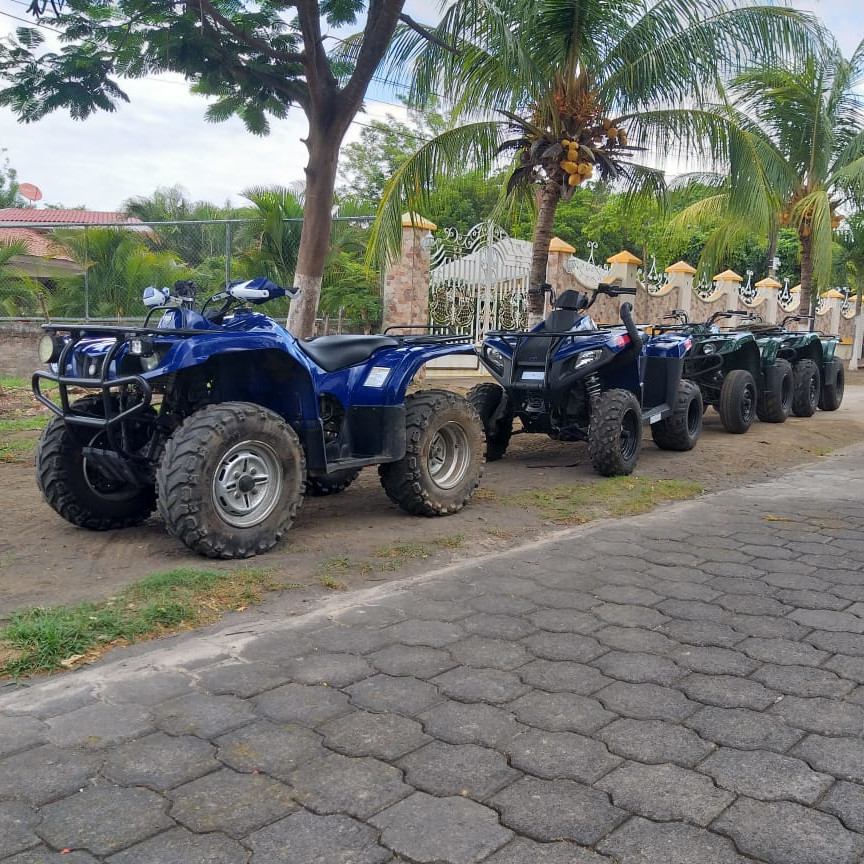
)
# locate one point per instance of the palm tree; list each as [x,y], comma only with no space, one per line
[851,240]
[19,293]
[584,88]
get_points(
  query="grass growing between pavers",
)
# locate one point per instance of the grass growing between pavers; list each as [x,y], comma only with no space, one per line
[44,639]
[609,496]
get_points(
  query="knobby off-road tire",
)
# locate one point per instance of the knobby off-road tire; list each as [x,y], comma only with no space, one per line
[832,394]
[331,484]
[615,433]
[231,480]
[738,398]
[443,459]
[80,493]
[776,405]
[807,388]
[682,428]
[486,398]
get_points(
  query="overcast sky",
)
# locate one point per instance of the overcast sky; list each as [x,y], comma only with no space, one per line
[160,137]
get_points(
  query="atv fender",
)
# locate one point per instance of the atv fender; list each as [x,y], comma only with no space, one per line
[772,379]
[829,372]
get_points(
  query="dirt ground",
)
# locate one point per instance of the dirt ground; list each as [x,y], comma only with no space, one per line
[359,538]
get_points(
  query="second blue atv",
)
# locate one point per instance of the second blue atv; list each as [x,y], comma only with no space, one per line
[223,420]
[575,381]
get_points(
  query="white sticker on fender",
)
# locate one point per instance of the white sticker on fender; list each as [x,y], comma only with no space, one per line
[377,376]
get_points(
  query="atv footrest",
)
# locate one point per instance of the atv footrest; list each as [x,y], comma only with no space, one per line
[655,414]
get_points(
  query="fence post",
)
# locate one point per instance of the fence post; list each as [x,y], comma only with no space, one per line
[227,253]
[406,280]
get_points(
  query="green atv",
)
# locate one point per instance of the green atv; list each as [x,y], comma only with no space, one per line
[818,374]
[734,376]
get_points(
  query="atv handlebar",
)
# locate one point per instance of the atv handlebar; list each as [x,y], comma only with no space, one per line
[731,313]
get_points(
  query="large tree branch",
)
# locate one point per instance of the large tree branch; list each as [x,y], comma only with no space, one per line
[322,83]
[428,34]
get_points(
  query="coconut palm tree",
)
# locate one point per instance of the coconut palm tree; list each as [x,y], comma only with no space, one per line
[850,236]
[584,88]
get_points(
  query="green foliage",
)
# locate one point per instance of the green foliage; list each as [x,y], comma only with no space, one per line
[19,293]
[9,194]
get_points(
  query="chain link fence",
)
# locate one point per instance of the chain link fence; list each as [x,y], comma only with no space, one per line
[97,272]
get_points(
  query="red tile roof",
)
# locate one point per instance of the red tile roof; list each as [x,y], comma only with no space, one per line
[37,244]
[70,217]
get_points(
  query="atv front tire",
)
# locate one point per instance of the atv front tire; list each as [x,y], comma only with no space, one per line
[681,429]
[231,480]
[331,484]
[79,492]
[443,458]
[486,398]
[807,389]
[738,399]
[832,394]
[776,405]
[615,433]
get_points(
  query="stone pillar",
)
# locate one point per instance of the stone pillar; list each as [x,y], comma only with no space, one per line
[857,341]
[680,276]
[406,280]
[769,307]
[623,269]
[728,282]
[559,252]
[834,303]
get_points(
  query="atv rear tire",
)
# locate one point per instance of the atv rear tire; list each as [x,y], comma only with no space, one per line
[807,389]
[80,493]
[682,428]
[443,458]
[331,484]
[231,480]
[486,398]
[832,394]
[615,433]
[738,398]
[776,405]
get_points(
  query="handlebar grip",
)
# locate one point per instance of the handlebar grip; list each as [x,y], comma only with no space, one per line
[627,320]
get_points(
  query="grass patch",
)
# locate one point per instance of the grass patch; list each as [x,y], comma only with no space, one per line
[402,550]
[13,382]
[330,570]
[43,639]
[17,450]
[450,541]
[23,424]
[610,496]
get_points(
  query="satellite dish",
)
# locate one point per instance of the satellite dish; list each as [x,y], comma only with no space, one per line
[30,192]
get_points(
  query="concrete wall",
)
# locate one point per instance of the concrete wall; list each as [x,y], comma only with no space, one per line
[18,341]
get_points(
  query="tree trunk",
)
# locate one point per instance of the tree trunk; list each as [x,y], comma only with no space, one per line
[549,197]
[806,302]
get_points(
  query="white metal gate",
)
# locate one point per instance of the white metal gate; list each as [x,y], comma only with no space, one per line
[478,282]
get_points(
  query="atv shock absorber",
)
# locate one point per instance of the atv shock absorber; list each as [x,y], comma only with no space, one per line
[592,387]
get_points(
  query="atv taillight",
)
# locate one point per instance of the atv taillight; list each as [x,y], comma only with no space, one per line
[621,340]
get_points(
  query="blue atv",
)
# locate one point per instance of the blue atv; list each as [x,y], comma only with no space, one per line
[222,420]
[575,381]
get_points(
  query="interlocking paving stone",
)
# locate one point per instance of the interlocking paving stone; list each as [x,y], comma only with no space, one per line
[846,801]
[556,598]
[524,851]
[427,609]
[736,585]
[340,784]
[665,793]
[783,652]
[277,647]
[561,755]
[802,680]
[727,691]
[654,741]
[684,590]
[449,589]
[147,688]
[631,594]
[641,841]
[334,670]
[744,729]
[20,733]
[160,761]
[179,846]
[61,698]
[692,610]
[242,679]
[419,661]
[851,593]
[45,773]
[469,684]
[43,855]
[799,578]
[432,634]
[828,716]
[386,736]
[461,723]
[766,627]
[781,832]
[354,640]
[311,839]
[447,830]
[646,701]
[842,757]
[401,695]
[277,749]
[496,604]
[103,819]
[824,619]
[368,616]
[847,667]
[560,712]
[631,615]
[703,633]
[303,704]
[202,715]
[564,620]
[634,639]
[765,775]
[837,643]
[555,675]
[712,660]
[230,802]
[548,810]
[563,646]
[98,726]
[490,653]
[494,626]
[457,769]
[639,667]
[753,604]
[17,822]
[807,599]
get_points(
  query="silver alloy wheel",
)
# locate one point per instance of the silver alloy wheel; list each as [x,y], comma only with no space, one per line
[247,484]
[449,456]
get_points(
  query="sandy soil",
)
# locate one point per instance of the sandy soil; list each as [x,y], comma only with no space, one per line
[46,561]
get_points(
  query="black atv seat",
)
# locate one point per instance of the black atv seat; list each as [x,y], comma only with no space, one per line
[337,352]
[559,320]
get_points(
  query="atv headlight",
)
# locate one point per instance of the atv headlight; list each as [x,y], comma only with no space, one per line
[709,348]
[586,358]
[140,346]
[50,347]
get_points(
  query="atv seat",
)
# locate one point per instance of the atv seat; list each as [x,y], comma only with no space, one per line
[337,352]
[566,311]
